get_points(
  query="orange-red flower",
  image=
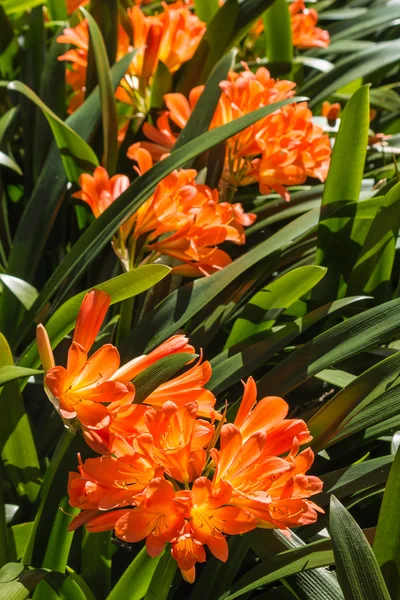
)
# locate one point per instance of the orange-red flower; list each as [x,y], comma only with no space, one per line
[74,4]
[161,477]
[279,150]
[182,219]
[305,33]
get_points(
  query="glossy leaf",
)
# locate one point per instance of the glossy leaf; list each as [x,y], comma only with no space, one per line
[206,9]
[16,583]
[18,451]
[387,537]
[264,308]
[278,33]
[161,581]
[350,68]
[356,567]
[107,98]
[16,6]
[135,581]
[335,248]
[76,154]
[6,161]
[12,372]
[338,343]
[25,292]
[373,269]
[349,401]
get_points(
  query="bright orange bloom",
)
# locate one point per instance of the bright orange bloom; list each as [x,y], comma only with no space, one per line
[179,439]
[305,34]
[97,390]
[281,149]
[330,111]
[182,219]
[172,37]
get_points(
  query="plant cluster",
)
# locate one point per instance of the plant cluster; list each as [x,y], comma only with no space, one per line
[199,296]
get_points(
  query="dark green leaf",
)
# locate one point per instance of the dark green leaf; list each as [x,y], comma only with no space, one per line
[356,567]
[387,537]
[278,33]
[335,248]
[107,98]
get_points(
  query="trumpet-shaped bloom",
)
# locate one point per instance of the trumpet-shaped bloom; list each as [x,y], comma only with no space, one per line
[182,219]
[305,33]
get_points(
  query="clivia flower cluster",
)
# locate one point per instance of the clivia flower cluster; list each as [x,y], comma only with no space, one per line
[171,470]
[279,150]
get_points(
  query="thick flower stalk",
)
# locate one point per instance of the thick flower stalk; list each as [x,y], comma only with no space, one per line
[182,219]
[167,473]
[280,150]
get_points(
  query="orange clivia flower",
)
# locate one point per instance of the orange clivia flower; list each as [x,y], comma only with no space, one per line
[72,5]
[279,150]
[182,219]
[305,33]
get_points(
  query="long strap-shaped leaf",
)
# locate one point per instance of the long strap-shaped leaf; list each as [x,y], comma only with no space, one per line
[338,343]
[387,538]
[356,567]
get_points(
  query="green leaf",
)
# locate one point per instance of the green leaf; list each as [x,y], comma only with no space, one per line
[316,584]
[76,154]
[25,292]
[362,25]
[349,401]
[180,306]
[11,373]
[18,452]
[278,33]
[57,10]
[387,537]
[135,581]
[161,581]
[385,406]
[265,307]
[313,556]
[16,583]
[216,576]
[356,567]
[6,120]
[119,288]
[101,230]
[58,545]
[6,161]
[206,9]
[228,369]
[108,103]
[17,537]
[354,335]
[350,68]
[158,373]
[335,249]
[96,562]
[16,6]
[373,269]
[52,493]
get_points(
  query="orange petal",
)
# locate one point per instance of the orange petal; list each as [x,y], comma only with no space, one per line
[90,317]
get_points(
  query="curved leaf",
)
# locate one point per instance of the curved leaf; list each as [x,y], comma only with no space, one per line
[76,154]
[107,98]
[135,581]
[25,292]
[356,567]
